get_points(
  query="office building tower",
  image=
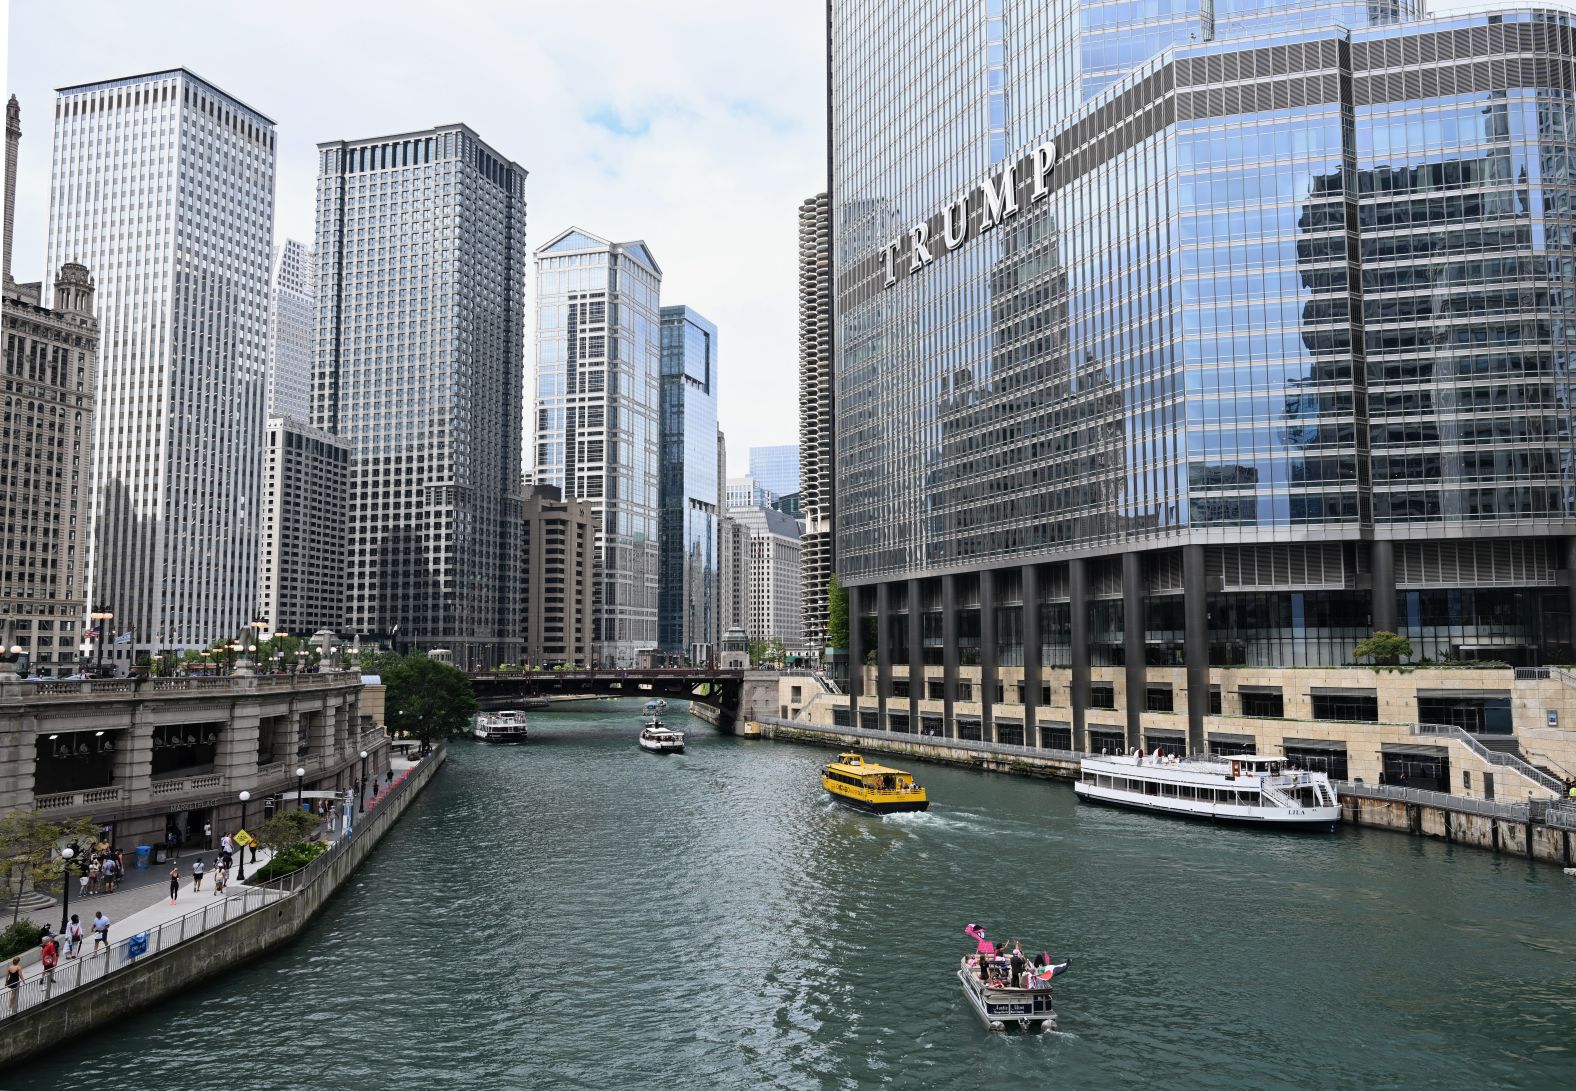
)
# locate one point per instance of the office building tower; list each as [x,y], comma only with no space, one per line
[775,604]
[1224,361]
[46,453]
[687,490]
[306,478]
[747,492]
[816,425]
[777,468]
[733,574]
[163,186]
[559,549]
[421,306]
[292,325]
[598,368]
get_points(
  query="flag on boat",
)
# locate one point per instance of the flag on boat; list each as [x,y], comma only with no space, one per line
[1045,973]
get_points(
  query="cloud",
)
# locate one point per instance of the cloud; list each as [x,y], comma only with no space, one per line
[698,127]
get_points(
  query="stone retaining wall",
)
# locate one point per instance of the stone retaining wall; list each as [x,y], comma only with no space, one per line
[132,988]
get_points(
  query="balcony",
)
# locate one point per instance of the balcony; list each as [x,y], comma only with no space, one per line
[176,786]
[68,801]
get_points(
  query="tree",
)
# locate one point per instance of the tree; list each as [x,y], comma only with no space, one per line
[836,614]
[1386,648]
[426,698]
[290,826]
[30,841]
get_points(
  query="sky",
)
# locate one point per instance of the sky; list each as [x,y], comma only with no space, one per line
[696,126]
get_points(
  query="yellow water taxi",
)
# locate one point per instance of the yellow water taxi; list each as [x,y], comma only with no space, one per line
[876,788]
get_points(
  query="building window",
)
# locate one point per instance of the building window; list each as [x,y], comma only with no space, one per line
[900,687]
[1056,737]
[930,725]
[1487,714]
[965,691]
[935,689]
[1350,705]
[1157,698]
[1262,702]
[1009,733]
[969,728]
[1102,695]
[1105,740]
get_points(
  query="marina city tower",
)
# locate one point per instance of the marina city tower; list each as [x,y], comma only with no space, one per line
[1181,343]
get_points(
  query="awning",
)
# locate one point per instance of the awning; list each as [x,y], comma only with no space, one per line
[1165,732]
[1415,749]
[1331,745]
[1341,691]
[1227,736]
[1464,694]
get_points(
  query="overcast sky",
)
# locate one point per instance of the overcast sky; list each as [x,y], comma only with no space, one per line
[696,126]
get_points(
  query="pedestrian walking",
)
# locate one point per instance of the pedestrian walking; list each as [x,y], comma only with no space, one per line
[226,845]
[100,931]
[13,980]
[93,875]
[197,874]
[220,877]
[175,883]
[82,885]
[73,937]
[48,956]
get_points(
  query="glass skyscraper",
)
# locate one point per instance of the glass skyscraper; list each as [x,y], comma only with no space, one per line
[776,467]
[421,309]
[598,378]
[1173,340]
[163,186]
[687,534]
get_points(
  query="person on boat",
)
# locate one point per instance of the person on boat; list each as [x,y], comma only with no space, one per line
[1017,963]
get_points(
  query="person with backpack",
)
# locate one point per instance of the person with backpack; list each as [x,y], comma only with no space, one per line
[73,937]
[197,874]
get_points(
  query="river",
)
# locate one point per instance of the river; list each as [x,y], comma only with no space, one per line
[575,912]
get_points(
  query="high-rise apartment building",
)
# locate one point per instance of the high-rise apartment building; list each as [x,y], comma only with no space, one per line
[163,186]
[773,592]
[292,326]
[777,468]
[598,372]
[421,306]
[687,490]
[1166,354]
[816,423]
[559,539]
[46,453]
[301,579]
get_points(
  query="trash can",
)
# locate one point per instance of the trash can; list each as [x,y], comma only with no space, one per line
[160,854]
[143,853]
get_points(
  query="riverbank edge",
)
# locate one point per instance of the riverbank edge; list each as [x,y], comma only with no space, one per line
[1532,840]
[134,988]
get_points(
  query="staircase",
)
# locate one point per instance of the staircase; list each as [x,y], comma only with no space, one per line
[1499,750]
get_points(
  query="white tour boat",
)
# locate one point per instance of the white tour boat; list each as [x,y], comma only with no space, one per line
[1244,788]
[659,739]
[505,726]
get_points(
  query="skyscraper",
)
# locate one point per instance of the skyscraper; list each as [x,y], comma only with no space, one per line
[301,573]
[1160,356]
[815,412]
[46,453]
[776,467]
[559,547]
[163,186]
[421,306]
[775,601]
[598,368]
[292,322]
[687,491]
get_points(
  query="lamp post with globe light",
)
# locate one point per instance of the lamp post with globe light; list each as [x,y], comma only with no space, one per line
[65,885]
[363,806]
[300,785]
[240,850]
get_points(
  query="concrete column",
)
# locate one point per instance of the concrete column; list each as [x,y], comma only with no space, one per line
[134,759]
[1195,643]
[235,758]
[916,655]
[949,654]
[1133,658]
[883,651]
[856,650]
[1570,590]
[1031,654]
[1078,596]
[1382,577]
[987,655]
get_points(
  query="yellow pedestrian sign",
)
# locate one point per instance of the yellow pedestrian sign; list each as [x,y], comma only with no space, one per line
[244,839]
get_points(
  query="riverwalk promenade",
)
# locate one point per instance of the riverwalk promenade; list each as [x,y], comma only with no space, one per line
[145,922]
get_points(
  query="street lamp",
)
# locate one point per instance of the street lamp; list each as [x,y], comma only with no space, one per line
[158,664]
[65,886]
[363,806]
[240,850]
[300,784]
[300,660]
[334,653]
[100,617]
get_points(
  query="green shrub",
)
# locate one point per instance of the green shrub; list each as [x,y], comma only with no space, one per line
[18,938]
[294,858]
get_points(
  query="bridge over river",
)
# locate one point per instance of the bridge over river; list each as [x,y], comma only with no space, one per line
[737,695]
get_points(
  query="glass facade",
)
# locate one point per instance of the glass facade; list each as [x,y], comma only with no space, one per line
[1297,289]
[687,610]
[777,468]
[598,382]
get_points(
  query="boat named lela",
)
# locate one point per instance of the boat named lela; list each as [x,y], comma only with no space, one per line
[1244,788]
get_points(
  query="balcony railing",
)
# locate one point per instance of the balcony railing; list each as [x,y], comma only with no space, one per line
[66,801]
[181,785]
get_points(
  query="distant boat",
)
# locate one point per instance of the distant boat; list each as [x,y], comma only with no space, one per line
[505,726]
[657,705]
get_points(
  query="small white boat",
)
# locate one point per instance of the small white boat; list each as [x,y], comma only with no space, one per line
[655,706]
[1001,1006]
[505,726]
[1244,788]
[659,739]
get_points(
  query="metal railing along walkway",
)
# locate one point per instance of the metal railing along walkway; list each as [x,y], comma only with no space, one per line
[1488,808]
[1493,757]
